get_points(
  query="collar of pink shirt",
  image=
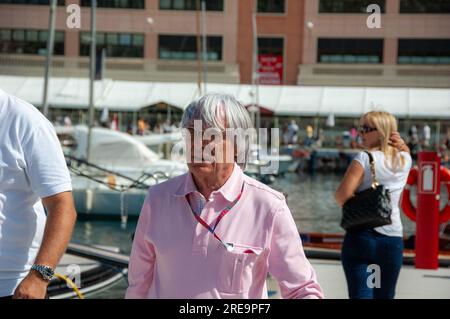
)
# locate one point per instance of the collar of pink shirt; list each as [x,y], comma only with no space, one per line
[230,190]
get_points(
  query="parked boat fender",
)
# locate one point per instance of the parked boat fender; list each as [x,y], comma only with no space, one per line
[112,183]
[89,200]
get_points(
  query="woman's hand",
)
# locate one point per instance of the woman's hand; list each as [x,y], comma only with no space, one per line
[397,142]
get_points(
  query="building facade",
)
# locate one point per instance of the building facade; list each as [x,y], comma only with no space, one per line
[144,40]
[410,49]
[279,33]
[299,42]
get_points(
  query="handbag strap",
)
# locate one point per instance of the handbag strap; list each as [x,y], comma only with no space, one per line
[375,183]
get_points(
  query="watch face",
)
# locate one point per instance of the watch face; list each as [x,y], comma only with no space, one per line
[45,271]
[48,272]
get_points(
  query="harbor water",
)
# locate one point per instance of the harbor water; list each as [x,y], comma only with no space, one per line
[310,198]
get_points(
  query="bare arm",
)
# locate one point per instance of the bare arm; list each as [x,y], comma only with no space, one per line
[61,218]
[352,179]
[58,229]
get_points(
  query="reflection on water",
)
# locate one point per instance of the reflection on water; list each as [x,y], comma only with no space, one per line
[310,198]
[108,233]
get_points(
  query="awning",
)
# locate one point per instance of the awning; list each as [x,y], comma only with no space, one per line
[321,101]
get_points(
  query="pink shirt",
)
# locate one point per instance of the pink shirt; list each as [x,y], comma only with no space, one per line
[175,257]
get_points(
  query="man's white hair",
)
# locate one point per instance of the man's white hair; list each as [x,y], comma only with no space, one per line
[224,112]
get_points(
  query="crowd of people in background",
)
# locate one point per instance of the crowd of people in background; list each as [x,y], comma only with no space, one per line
[144,127]
[422,142]
[418,139]
[160,127]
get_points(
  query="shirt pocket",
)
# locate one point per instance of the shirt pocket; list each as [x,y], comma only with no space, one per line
[236,268]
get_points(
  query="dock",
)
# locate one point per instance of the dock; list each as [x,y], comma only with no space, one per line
[412,284]
[106,268]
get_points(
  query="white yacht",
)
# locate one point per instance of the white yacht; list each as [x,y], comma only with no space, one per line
[114,182]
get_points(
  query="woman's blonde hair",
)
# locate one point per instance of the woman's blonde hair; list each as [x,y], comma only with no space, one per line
[386,124]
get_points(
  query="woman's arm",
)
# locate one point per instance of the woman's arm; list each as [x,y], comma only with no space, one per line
[352,179]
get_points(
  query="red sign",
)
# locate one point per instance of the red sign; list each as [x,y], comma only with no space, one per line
[270,69]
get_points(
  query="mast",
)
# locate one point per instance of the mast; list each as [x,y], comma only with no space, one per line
[204,47]
[48,61]
[92,76]
[255,76]
[199,52]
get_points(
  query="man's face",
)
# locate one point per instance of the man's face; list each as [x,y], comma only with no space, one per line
[208,150]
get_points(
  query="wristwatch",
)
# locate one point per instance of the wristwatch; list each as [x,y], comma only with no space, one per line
[46,272]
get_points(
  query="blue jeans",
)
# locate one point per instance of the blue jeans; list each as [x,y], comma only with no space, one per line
[364,248]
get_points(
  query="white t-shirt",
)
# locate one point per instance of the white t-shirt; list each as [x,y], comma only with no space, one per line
[394,180]
[32,166]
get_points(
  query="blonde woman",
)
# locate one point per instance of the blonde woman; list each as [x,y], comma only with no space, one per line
[382,246]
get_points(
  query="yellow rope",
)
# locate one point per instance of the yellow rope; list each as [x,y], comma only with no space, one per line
[71,284]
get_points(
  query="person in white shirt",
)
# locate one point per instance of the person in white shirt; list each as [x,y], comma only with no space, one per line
[33,175]
[426,135]
[293,132]
[382,246]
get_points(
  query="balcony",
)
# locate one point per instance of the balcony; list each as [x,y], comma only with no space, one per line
[382,75]
[127,69]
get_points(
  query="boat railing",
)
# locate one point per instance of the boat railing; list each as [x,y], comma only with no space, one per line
[99,254]
[77,166]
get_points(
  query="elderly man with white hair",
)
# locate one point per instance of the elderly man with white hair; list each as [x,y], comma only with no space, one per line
[215,232]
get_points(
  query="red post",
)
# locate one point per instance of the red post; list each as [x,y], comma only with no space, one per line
[428,198]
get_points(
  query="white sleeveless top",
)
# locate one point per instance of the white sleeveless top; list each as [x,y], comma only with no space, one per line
[394,180]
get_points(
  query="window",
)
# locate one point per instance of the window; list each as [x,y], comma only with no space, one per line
[425,6]
[272,46]
[211,5]
[117,45]
[38,2]
[349,6]
[184,47]
[271,6]
[20,41]
[350,51]
[424,51]
[18,35]
[121,4]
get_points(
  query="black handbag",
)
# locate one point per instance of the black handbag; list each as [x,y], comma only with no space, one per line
[369,208]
